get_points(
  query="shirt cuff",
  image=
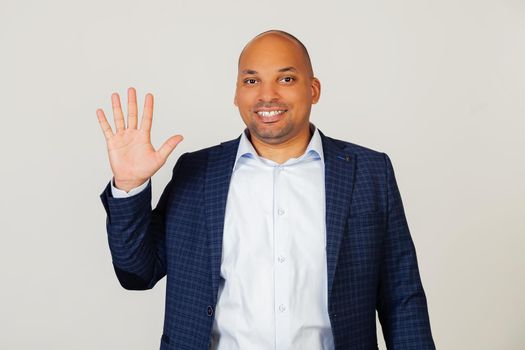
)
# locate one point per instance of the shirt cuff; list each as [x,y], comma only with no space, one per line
[117,193]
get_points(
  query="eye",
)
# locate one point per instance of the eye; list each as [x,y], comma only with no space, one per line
[250,81]
[287,79]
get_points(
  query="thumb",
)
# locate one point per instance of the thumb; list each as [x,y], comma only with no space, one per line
[168,146]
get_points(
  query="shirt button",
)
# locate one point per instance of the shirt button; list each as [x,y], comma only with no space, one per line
[210,311]
[281,259]
[280,211]
[282,308]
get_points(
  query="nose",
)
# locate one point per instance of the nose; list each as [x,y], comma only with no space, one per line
[268,92]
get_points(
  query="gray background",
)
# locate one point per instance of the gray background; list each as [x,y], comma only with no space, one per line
[437,85]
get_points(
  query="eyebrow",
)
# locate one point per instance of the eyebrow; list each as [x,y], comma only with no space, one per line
[281,70]
[287,69]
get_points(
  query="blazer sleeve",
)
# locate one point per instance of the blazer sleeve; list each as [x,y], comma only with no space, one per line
[402,305]
[136,235]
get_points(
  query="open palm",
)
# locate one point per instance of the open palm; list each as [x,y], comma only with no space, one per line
[132,157]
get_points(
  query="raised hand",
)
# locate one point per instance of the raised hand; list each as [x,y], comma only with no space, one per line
[132,157]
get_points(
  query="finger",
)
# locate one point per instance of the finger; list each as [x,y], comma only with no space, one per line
[132,108]
[106,128]
[117,112]
[147,115]
[168,146]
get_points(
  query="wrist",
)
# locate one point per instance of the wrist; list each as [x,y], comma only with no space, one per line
[127,186]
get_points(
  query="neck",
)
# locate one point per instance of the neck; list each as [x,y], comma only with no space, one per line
[281,152]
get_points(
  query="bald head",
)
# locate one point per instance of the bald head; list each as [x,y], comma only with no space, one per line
[275,91]
[275,35]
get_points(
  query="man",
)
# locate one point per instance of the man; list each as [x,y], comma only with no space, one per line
[280,239]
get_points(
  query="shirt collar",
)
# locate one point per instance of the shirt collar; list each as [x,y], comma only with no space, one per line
[313,150]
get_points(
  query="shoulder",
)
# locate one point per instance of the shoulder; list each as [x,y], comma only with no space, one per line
[370,165]
[197,161]
[203,154]
[359,152]
[354,147]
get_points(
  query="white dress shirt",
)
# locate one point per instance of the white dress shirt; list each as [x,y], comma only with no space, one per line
[273,290]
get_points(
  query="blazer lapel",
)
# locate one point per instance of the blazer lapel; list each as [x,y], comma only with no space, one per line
[218,175]
[339,181]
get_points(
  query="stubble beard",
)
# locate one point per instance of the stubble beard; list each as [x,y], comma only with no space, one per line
[270,135]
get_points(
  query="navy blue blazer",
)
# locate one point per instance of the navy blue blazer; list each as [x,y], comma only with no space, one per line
[371,258]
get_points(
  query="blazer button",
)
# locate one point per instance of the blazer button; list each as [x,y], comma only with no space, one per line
[210,311]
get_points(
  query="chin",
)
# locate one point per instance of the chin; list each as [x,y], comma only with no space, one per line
[271,135]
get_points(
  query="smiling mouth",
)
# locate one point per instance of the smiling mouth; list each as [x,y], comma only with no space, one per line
[270,116]
[266,114]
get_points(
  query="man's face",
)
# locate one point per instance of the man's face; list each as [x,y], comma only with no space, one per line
[275,89]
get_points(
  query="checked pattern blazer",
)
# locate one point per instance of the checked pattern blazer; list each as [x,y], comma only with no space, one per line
[371,258]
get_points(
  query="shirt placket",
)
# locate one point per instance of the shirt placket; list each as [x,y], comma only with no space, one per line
[281,262]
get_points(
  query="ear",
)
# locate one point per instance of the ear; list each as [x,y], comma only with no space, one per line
[316,90]
[235,99]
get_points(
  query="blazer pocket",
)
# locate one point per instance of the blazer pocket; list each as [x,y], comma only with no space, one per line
[374,218]
[366,233]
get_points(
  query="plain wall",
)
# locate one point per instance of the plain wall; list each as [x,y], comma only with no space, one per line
[437,85]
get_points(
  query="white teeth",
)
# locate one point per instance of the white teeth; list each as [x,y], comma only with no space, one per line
[269,113]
